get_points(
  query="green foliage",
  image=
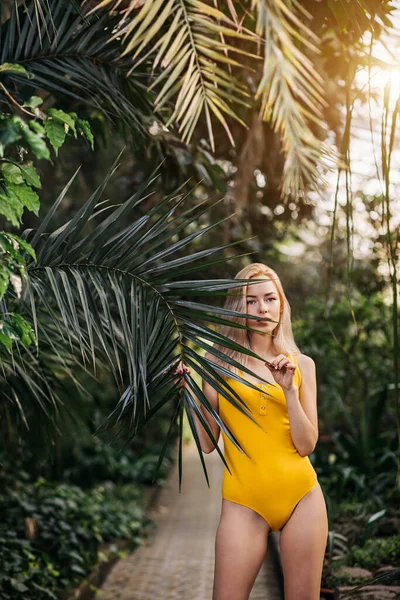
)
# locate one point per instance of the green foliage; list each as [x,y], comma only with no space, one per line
[68,451]
[18,178]
[33,102]
[11,68]
[56,132]
[12,263]
[68,527]
[58,123]
[99,461]
[346,551]
[15,327]
[28,134]
[76,60]
[31,135]
[115,287]
[47,490]
[360,459]
[377,552]
[120,509]
[347,473]
[84,129]
[16,193]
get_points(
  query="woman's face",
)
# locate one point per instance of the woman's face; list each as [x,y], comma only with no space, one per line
[262,300]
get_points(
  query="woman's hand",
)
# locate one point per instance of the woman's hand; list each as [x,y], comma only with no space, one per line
[282,371]
[180,369]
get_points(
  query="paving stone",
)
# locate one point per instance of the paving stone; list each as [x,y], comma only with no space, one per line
[177,560]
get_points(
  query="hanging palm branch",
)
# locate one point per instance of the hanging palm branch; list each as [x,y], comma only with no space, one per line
[193,63]
[186,38]
[66,54]
[117,290]
[31,384]
[185,42]
[291,93]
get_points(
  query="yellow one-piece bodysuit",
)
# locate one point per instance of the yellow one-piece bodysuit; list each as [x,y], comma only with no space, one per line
[274,477]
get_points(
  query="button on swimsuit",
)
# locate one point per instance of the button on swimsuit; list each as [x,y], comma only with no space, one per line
[273,477]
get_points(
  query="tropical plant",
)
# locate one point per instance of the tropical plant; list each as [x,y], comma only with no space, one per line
[337,547]
[72,64]
[51,534]
[18,178]
[119,293]
[82,33]
[66,55]
[181,50]
[182,47]
[186,45]
[357,402]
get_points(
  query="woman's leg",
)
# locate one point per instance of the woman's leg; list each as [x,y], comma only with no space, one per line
[240,547]
[303,544]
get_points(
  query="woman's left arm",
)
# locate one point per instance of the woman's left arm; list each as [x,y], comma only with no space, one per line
[302,407]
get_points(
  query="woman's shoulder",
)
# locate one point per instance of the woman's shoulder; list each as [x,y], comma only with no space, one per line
[306,363]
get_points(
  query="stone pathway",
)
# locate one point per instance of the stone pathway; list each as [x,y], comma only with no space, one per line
[177,561]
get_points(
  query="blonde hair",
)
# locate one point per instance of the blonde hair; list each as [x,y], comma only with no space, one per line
[283,340]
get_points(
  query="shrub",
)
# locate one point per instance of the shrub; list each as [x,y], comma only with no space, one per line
[68,526]
[377,552]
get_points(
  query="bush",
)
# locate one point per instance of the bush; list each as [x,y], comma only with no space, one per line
[377,552]
[89,462]
[67,527]
[97,461]
[23,572]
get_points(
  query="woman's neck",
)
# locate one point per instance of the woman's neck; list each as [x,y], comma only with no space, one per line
[263,345]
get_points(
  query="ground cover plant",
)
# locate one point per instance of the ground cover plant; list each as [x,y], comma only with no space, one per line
[51,534]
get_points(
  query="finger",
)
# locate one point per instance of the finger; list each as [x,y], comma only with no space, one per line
[285,362]
[278,360]
[281,363]
[271,367]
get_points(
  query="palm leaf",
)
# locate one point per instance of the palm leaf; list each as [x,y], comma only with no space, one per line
[32,386]
[291,93]
[186,38]
[126,309]
[69,54]
[181,36]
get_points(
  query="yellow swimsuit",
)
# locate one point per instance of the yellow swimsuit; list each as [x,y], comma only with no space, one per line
[274,477]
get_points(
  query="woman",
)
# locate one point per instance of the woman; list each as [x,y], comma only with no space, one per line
[272,485]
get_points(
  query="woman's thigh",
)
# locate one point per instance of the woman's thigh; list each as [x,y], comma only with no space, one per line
[240,547]
[303,544]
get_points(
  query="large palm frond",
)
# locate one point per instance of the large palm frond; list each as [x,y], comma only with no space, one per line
[119,288]
[291,92]
[188,39]
[186,42]
[66,54]
[32,384]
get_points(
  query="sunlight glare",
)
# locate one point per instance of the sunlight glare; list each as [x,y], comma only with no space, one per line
[380,78]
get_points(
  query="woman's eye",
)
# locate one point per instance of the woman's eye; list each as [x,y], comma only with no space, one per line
[249,301]
[271,298]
